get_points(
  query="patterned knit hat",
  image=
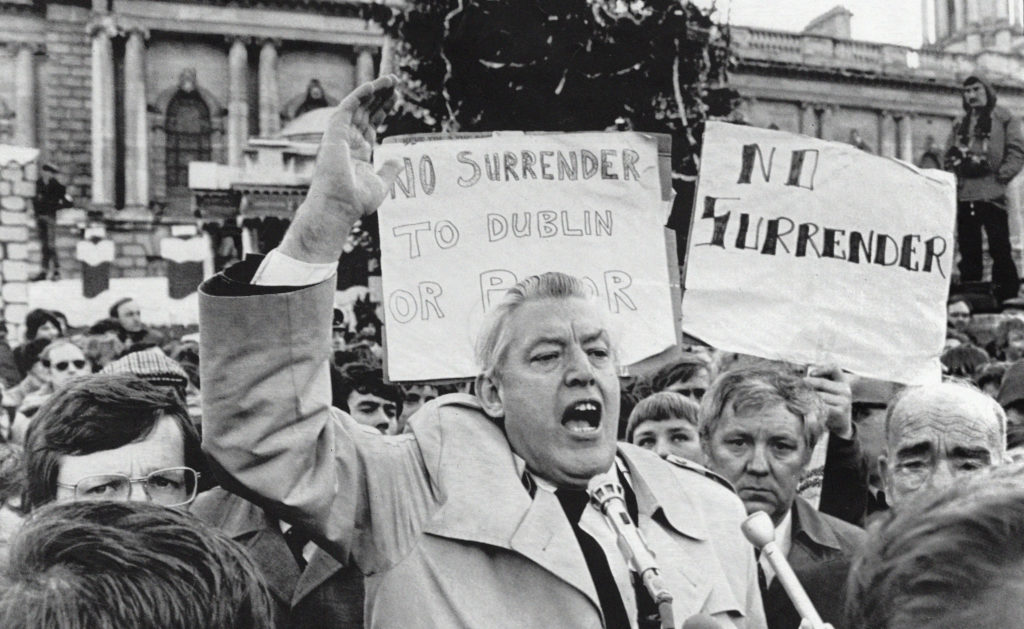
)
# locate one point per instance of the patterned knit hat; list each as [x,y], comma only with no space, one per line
[152,365]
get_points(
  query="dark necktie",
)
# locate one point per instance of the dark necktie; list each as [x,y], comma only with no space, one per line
[573,502]
[296,542]
[762,579]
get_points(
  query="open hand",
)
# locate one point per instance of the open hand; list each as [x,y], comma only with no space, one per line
[345,186]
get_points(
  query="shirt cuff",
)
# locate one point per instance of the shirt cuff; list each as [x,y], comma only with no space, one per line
[278,269]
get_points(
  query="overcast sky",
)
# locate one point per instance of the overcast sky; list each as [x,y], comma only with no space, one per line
[888,21]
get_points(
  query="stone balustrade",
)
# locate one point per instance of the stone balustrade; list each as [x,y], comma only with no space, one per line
[817,51]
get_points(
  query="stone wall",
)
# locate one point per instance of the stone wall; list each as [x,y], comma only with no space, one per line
[18,175]
[66,97]
[136,246]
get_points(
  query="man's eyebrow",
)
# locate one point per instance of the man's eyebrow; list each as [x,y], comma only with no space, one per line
[916,449]
[600,335]
[964,452]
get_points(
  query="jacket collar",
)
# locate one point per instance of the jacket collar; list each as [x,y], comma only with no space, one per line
[658,489]
[808,523]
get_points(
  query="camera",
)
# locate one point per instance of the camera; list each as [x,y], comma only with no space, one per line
[965,163]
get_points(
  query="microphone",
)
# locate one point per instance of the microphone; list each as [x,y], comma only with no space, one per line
[701,621]
[759,531]
[606,492]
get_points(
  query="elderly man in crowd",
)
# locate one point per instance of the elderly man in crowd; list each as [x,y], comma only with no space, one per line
[479,517]
[113,437]
[758,427]
[127,312]
[118,564]
[950,559]
[936,433]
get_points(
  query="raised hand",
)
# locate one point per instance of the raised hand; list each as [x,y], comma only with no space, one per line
[834,388]
[345,186]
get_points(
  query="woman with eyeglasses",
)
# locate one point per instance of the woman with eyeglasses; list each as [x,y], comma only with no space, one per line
[63,361]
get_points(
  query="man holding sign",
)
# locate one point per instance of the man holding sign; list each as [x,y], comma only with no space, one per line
[480,516]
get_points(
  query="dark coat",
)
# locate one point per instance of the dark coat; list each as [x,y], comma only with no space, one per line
[822,549]
[326,594]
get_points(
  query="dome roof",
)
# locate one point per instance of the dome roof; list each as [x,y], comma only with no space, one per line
[309,127]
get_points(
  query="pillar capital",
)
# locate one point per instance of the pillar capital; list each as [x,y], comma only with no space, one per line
[274,42]
[103,25]
[135,29]
[236,39]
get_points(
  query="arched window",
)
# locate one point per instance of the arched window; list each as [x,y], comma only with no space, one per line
[188,138]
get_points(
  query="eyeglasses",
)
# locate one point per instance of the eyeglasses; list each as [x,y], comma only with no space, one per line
[64,364]
[170,487]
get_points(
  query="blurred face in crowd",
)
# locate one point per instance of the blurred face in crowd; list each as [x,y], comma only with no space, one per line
[1014,345]
[936,436]
[975,96]
[415,397]
[372,410]
[958,316]
[130,316]
[693,388]
[162,448]
[674,436]
[66,361]
[762,453]
[557,390]
[47,331]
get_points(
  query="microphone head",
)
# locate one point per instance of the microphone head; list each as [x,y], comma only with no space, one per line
[604,487]
[758,529]
[701,621]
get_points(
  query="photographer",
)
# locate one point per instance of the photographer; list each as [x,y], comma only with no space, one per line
[986,151]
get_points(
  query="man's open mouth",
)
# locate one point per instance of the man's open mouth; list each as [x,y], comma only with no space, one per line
[583,416]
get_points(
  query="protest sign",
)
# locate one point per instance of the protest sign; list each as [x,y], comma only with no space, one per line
[470,216]
[817,252]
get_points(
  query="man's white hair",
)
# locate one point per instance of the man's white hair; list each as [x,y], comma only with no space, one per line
[494,337]
[949,398]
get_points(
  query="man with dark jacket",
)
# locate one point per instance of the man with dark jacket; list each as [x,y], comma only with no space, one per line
[985,151]
[51,195]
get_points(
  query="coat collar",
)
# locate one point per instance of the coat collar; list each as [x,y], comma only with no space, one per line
[483,498]
[808,523]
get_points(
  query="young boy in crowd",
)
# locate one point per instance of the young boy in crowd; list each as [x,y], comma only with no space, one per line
[666,422]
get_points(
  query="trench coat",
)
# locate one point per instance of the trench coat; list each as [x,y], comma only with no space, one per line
[438,520]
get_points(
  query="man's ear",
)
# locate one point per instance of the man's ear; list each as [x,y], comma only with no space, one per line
[488,390]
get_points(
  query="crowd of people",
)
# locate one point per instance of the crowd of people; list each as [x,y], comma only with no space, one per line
[282,481]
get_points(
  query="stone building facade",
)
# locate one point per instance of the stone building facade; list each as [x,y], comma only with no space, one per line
[121,95]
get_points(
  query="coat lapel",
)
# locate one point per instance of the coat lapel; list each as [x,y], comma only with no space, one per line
[320,568]
[485,500]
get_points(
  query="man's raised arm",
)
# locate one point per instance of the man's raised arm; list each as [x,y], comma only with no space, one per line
[265,328]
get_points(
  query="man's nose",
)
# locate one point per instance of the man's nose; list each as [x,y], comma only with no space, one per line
[942,475]
[662,448]
[137,493]
[579,371]
[757,464]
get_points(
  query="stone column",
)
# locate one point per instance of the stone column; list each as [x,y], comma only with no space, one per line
[270,100]
[102,102]
[942,25]
[972,12]
[136,123]
[238,101]
[364,65]
[959,16]
[905,146]
[808,120]
[25,96]
[886,134]
[826,118]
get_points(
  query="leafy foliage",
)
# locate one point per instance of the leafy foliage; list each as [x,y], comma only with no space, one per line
[559,65]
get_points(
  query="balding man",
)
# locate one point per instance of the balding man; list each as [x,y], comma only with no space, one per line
[935,433]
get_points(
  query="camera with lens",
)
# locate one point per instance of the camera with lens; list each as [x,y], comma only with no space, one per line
[966,163]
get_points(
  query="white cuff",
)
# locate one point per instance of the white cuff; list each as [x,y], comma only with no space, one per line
[278,269]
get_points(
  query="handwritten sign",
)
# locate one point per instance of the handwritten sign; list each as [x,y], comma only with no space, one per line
[469,217]
[814,252]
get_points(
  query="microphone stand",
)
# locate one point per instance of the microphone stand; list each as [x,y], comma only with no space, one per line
[609,498]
